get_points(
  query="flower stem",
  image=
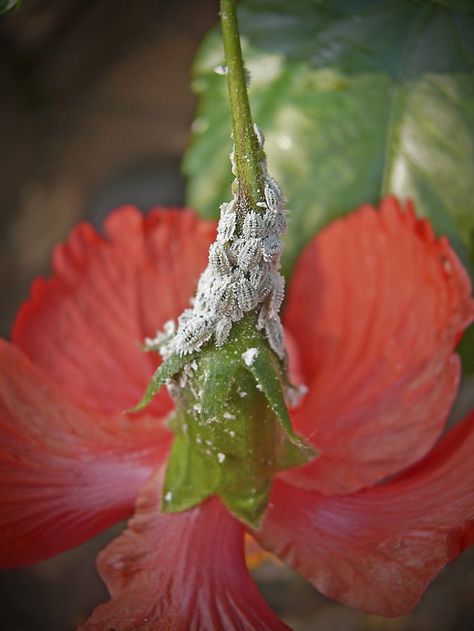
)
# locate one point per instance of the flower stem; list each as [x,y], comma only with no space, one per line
[247,151]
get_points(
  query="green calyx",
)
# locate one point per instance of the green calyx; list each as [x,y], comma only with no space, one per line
[233,432]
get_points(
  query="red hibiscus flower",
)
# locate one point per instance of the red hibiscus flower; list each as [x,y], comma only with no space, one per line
[375,308]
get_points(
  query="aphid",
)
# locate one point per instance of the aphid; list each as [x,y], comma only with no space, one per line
[218,260]
[247,297]
[274,332]
[252,227]
[248,253]
[223,327]
[194,334]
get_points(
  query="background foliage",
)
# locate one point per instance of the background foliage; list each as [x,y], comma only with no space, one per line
[357,99]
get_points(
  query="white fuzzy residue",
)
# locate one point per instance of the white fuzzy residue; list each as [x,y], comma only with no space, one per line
[250,356]
[242,275]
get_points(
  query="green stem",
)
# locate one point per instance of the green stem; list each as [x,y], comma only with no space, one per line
[247,152]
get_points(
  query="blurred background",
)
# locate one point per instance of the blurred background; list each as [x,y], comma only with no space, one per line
[95,112]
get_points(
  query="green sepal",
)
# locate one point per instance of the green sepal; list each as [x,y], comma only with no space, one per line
[219,379]
[267,374]
[168,369]
[189,478]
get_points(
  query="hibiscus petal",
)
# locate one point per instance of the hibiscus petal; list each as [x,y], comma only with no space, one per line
[85,326]
[65,474]
[376,306]
[182,571]
[378,549]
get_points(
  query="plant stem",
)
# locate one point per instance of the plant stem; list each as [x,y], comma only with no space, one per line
[247,151]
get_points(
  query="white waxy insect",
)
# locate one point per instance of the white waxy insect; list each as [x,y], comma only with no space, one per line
[281,222]
[227,223]
[278,293]
[193,334]
[237,314]
[247,297]
[259,135]
[272,248]
[262,318]
[274,185]
[252,226]
[222,298]
[272,195]
[201,300]
[248,253]
[275,222]
[162,337]
[219,260]
[274,332]
[260,281]
[241,275]
[185,317]
[223,327]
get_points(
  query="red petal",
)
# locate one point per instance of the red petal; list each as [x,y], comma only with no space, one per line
[85,326]
[376,306]
[379,549]
[182,571]
[64,474]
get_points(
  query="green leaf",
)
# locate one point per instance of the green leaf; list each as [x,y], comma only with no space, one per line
[463,6]
[357,99]
[6,5]
[168,369]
